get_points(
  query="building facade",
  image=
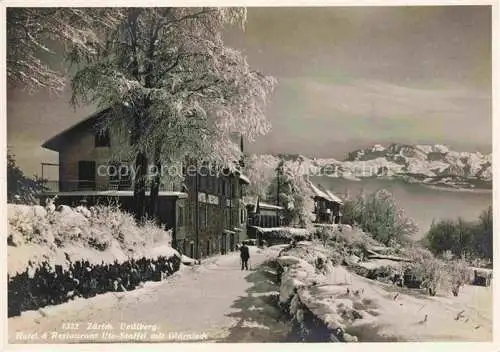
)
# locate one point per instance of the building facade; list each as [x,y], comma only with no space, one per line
[213,213]
[205,211]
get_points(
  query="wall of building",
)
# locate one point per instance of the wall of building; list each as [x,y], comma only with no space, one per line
[219,211]
[81,147]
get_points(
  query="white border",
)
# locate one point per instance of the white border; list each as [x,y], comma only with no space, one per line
[396,347]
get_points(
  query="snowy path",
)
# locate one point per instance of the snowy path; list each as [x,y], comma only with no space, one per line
[212,302]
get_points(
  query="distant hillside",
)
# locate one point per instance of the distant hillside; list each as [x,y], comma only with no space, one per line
[435,165]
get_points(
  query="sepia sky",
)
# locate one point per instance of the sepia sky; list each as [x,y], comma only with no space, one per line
[347,78]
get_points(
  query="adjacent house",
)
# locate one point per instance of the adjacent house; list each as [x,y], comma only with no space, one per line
[264,215]
[327,206]
[214,209]
[205,211]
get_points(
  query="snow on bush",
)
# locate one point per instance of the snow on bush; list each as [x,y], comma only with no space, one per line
[437,274]
[319,256]
[287,260]
[284,232]
[307,268]
[97,234]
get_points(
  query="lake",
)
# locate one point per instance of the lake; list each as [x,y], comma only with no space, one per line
[421,203]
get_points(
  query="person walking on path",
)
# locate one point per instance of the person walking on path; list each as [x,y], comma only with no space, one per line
[244,255]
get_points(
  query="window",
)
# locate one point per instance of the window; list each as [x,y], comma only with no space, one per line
[131,139]
[211,184]
[220,186]
[180,246]
[102,138]
[227,217]
[203,183]
[192,213]
[234,190]
[215,185]
[86,175]
[180,220]
[235,216]
[207,213]
[191,249]
[202,216]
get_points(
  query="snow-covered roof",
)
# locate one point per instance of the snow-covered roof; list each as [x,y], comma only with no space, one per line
[318,193]
[334,197]
[328,195]
[244,179]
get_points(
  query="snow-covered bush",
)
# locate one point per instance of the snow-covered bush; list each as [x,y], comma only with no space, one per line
[460,274]
[432,272]
[274,235]
[96,234]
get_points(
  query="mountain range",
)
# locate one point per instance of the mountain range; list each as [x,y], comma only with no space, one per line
[435,165]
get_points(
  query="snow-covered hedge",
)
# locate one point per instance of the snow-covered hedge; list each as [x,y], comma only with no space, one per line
[55,255]
[278,235]
[99,234]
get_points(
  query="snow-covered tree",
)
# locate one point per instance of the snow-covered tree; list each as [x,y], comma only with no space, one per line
[21,188]
[260,169]
[170,79]
[380,215]
[295,194]
[35,36]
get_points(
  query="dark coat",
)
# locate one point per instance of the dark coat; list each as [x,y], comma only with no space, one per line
[244,252]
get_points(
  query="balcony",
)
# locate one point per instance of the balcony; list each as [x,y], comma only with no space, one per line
[53,186]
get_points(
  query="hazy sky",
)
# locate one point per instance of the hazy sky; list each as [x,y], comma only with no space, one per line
[347,78]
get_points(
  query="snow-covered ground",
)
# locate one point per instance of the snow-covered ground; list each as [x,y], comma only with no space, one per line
[373,311]
[391,313]
[215,301]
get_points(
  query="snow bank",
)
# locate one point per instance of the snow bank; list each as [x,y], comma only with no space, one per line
[306,267]
[187,260]
[99,234]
